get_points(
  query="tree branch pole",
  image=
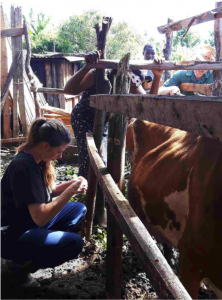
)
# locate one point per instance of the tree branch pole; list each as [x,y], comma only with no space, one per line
[28,70]
[102,86]
[115,166]
[198,19]
[11,73]
[167,51]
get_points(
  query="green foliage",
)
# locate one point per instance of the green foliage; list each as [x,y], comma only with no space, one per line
[71,171]
[37,26]
[100,236]
[123,39]
[77,34]
[40,39]
[190,40]
[211,40]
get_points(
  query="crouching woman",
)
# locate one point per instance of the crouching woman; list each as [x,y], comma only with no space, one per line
[40,232]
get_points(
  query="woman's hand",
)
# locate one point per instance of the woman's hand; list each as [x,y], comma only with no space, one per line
[79,185]
[92,57]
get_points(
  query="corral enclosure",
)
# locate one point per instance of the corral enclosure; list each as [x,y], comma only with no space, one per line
[121,217]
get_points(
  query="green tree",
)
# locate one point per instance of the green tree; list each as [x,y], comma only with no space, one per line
[77,33]
[123,39]
[190,40]
[40,39]
[211,40]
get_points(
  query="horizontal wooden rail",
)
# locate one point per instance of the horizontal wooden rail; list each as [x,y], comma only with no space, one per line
[198,115]
[202,18]
[54,110]
[205,89]
[167,65]
[164,281]
[48,90]
[13,140]
[12,32]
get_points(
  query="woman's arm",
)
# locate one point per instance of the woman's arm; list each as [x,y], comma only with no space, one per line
[84,78]
[157,75]
[43,213]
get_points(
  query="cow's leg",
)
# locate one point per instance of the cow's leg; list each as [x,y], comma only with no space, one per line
[188,272]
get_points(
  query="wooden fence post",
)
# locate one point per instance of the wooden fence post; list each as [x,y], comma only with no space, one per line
[102,87]
[4,72]
[167,50]
[48,75]
[61,84]
[18,84]
[217,85]
[115,165]
[29,71]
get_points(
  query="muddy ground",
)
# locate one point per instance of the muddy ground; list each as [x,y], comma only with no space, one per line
[84,278]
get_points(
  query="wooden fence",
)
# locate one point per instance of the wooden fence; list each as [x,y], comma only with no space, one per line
[199,115]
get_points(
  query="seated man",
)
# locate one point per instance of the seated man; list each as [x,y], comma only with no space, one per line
[171,86]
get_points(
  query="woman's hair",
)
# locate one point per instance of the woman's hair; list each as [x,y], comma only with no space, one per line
[52,132]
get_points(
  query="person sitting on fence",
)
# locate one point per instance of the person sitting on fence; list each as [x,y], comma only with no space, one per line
[36,231]
[172,85]
[82,116]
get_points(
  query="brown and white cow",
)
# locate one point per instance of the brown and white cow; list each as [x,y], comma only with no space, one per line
[175,188]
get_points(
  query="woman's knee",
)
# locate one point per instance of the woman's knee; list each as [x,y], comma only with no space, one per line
[77,207]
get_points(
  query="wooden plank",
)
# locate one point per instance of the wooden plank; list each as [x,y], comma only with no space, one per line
[61,84]
[57,116]
[49,90]
[205,89]
[55,110]
[12,32]
[199,115]
[18,84]
[13,140]
[15,48]
[167,65]
[9,78]
[164,281]
[5,92]
[4,56]
[54,85]
[198,19]
[48,77]
[7,133]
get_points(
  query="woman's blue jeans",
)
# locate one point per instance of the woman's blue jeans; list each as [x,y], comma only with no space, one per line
[50,245]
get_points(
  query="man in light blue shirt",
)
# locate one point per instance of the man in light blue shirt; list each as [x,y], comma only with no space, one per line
[172,85]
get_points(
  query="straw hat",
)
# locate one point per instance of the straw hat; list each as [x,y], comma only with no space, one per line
[207,53]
